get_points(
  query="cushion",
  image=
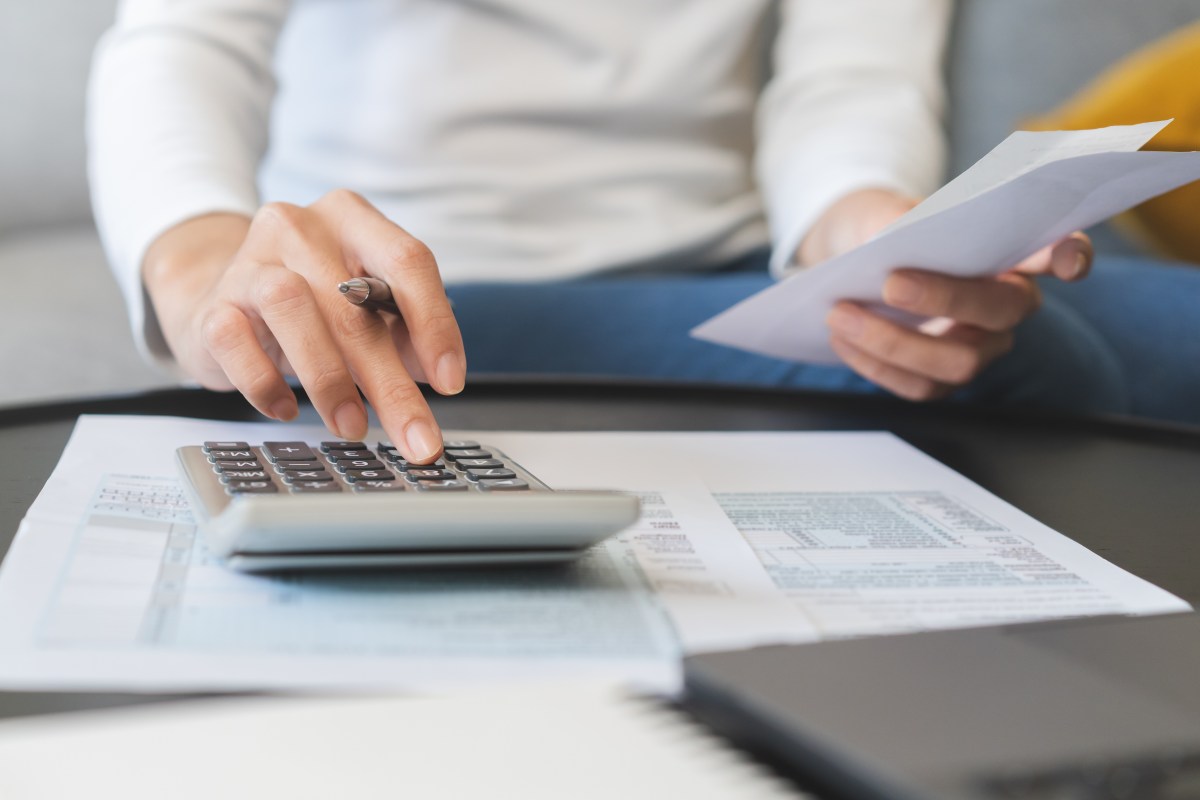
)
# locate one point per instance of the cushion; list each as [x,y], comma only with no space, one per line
[1159,81]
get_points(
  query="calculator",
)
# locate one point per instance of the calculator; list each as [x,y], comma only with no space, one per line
[280,506]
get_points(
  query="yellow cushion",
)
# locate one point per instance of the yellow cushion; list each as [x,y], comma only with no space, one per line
[1160,81]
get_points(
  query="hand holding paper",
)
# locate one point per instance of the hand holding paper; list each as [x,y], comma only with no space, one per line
[1033,190]
[973,320]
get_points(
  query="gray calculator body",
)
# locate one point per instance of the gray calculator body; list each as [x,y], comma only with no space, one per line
[272,524]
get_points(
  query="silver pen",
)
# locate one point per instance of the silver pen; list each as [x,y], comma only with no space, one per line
[369,293]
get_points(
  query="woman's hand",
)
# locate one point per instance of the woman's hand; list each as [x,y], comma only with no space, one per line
[971,319]
[245,302]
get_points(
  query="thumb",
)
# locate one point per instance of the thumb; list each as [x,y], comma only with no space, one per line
[1070,259]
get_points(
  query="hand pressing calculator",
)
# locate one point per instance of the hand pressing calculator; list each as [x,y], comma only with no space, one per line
[294,505]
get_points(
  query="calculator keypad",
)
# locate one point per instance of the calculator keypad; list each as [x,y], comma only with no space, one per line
[332,467]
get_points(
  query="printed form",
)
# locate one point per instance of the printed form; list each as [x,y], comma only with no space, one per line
[744,539]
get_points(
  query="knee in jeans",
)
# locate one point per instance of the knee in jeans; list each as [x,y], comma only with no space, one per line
[1059,362]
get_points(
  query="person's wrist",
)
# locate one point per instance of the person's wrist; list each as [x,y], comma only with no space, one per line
[850,221]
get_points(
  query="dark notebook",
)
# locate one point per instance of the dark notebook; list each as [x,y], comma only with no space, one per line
[1100,707]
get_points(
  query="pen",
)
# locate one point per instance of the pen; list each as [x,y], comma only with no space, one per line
[369,293]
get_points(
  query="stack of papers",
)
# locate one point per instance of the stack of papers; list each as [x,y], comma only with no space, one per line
[744,539]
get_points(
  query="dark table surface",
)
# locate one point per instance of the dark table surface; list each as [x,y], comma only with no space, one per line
[1128,491]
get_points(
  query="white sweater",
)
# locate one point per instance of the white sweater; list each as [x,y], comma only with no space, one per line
[519,139]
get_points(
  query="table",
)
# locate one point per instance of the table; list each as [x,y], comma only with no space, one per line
[1129,491]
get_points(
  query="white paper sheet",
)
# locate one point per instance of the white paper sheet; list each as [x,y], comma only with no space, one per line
[584,742]
[746,538]
[109,585]
[861,532]
[1030,191]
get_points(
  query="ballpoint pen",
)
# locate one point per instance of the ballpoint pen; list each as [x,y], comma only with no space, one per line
[369,293]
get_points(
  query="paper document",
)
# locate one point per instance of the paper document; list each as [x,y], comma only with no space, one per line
[861,533]
[583,742]
[744,539]
[1029,192]
[109,584]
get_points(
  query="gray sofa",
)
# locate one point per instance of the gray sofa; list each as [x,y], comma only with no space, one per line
[64,326]
[65,333]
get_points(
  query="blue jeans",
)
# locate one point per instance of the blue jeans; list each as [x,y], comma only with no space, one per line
[1125,341]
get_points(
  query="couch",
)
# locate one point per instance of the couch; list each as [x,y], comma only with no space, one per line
[65,333]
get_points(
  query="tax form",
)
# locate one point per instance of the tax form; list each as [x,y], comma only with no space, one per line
[1033,189]
[802,536]
[109,584]
[744,539]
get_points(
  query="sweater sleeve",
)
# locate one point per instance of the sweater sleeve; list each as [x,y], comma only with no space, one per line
[854,102]
[178,108]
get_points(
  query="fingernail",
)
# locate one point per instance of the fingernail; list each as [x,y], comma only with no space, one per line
[285,409]
[1079,266]
[424,443]
[451,374]
[901,290]
[351,421]
[845,322]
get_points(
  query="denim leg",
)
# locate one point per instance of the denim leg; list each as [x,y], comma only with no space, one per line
[1059,362]
[1148,313]
[637,326]
[633,326]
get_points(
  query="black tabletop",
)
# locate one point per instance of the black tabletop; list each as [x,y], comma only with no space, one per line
[1128,491]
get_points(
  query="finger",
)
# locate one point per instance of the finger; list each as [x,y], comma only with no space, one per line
[896,380]
[314,245]
[952,359]
[384,249]
[1070,259]
[404,346]
[367,345]
[1036,264]
[989,303]
[285,303]
[230,339]
[196,358]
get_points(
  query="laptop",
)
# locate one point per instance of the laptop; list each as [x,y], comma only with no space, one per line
[1101,707]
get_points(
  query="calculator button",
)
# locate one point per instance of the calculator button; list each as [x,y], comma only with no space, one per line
[479,463]
[306,475]
[327,446]
[289,465]
[226,455]
[460,444]
[403,464]
[299,466]
[289,451]
[415,475]
[210,446]
[362,463]
[441,486]
[251,487]
[227,464]
[385,447]
[476,474]
[474,452]
[314,487]
[503,485]
[350,455]
[379,486]
[243,475]
[369,475]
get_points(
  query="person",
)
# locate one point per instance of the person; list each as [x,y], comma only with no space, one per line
[590,181]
